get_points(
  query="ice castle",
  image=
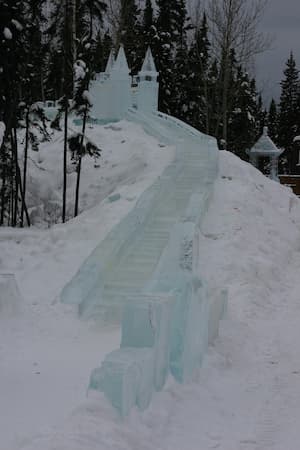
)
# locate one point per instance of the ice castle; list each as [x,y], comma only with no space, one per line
[145,273]
[114,91]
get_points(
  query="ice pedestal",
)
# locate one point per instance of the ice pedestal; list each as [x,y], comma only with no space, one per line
[126,378]
[189,332]
[10,297]
[147,324]
[217,309]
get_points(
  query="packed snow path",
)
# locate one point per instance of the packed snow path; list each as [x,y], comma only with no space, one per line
[124,263]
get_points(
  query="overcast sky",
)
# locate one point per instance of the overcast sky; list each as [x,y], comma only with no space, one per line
[282,20]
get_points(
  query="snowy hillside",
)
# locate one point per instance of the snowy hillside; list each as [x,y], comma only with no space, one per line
[125,153]
[245,397]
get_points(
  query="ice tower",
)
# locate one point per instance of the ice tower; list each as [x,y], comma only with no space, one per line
[111,91]
[120,80]
[147,97]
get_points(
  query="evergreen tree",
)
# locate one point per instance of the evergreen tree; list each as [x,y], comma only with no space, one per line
[170,53]
[273,121]
[225,91]
[288,118]
[261,116]
[197,113]
[242,131]
[130,34]
[213,99]
[148,26]
[89,16]
[163,51]
[100,52]
[78,144]
[16,75]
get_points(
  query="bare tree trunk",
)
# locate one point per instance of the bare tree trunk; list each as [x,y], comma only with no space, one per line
[234,25]
[24,206]
[16,180]
[65,160]
[80,162]
[25,164]
[3,187]
[69,59]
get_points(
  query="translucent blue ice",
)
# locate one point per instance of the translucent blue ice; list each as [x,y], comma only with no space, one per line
[146,271]
[146,323]
[126,378]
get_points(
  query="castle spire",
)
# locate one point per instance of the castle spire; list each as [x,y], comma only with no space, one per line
[121,64]
[148,67]
[110,62]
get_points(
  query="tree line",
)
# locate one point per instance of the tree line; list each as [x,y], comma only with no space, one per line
[51,51]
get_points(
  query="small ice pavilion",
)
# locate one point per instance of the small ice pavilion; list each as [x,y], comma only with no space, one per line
[265,147]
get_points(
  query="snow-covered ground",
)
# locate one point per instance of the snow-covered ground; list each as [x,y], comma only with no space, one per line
[247,394]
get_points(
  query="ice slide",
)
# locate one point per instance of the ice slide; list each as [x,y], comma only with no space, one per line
[146,272]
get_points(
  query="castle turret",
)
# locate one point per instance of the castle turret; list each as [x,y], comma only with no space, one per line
[147,100]
[111,91]
[110,62]
[120,87]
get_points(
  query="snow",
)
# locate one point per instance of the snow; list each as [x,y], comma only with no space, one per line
[79,70]
[2,132]
[87,97]
[127,156]
[246,395]
[7,34]
[17,24]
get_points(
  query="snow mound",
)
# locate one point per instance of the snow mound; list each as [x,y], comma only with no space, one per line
[127,154]
[246,394]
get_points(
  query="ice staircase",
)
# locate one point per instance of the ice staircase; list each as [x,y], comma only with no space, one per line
[145,273]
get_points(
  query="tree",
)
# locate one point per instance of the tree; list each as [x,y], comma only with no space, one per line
[272,121]
[130,34]
[89,16]
[288,117]
[170,52]
[148,27]
[197,113]
[78,143]
[233,26]
[15,74]
[242,123]
[68,84]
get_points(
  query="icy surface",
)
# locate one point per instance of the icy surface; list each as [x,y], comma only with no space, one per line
[111,91]
[153,250]
[147,323]
[126,378]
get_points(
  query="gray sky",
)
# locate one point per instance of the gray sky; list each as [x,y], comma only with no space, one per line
[281,20]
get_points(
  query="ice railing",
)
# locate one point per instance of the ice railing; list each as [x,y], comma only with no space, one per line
[80,289]
[167,325]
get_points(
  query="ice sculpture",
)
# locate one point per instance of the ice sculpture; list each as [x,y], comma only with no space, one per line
[147,94]
[126,378]
[114,92]
[111,91]
[10,297]
[217,308]
[147,324]
[147,268]
[265,147]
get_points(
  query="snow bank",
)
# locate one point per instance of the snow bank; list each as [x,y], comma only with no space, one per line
[247,393]
[127,154]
